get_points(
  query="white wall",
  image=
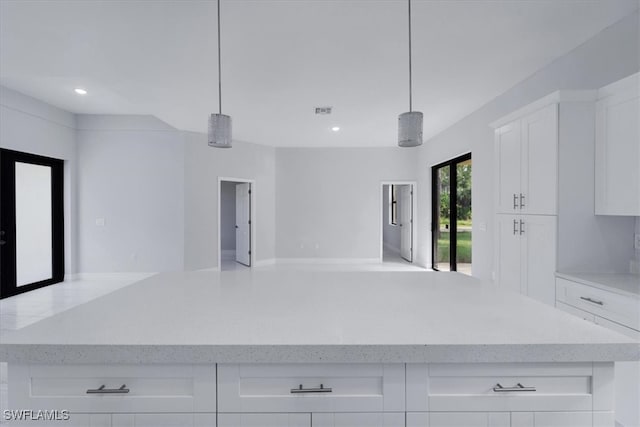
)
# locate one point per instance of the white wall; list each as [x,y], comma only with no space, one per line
[390,233]
[328,199]
[228,215]
[131,174]
[32,126]
[203,166]
[607,57]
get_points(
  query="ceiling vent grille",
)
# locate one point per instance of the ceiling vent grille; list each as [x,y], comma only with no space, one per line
[323,110]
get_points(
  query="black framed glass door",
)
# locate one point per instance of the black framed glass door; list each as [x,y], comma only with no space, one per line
[31,222]
[451,215]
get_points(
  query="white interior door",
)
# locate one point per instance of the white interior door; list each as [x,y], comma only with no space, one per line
[243,223]
[405,194]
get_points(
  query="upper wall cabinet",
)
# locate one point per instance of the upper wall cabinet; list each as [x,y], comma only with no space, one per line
[617,157]
[527,163]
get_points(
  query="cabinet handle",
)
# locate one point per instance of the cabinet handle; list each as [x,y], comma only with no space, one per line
[322,389]
[592,300]
[103,390]
[521,227]
[515,226]
[518,387]
[515,201]
[521,201]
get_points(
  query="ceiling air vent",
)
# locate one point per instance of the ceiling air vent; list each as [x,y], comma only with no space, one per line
[323,110]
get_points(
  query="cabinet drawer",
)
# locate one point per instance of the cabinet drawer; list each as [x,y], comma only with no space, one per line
[510,387]
[156,388]
[310,387]
[576,311]
[359,419]
[619,308]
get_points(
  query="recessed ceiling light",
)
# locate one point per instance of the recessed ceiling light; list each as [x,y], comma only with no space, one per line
[80,91]
[335,128]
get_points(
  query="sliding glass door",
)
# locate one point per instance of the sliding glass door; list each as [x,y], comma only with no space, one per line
[451,213]
[31,222]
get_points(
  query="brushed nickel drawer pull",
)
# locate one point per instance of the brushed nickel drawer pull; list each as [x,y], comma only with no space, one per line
[518,387]
[103,390]
[322,389]
[515,201]
[592,300]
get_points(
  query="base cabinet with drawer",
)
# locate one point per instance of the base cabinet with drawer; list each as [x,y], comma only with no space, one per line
[320,395]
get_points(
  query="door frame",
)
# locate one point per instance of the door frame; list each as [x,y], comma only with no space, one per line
[453,209]
[414,225]
[57,220]
[252,232]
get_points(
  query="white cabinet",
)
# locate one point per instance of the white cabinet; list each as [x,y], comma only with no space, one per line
[526,255]
[513,419]
[264,420]
[304,387]
[616,311]
[371,419]
[114,388]
[527,163]
[618,148]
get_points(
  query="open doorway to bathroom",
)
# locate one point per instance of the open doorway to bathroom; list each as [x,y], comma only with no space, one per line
[397,231]
[452,216]
[235,223]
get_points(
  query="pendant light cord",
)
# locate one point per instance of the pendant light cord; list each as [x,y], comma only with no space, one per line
[410,75]
[219,65]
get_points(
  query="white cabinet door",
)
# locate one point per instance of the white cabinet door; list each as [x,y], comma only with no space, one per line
[538,243]
[618,150]
[164,420]
[507,146]
[264,420]
[469,419]
[508,252]
[552,419]
[539,179]
[370,419]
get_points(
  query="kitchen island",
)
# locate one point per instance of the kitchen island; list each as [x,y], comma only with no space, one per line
[293,347]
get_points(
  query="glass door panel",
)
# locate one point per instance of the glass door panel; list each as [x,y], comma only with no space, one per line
[442,245]
[463,217]
[451,227]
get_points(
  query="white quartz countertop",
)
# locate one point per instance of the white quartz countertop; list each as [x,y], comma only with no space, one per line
[307,316]
[626,284]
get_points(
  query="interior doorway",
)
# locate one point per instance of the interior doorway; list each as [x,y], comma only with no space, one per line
[235,223]
[31,222]
[452,216]
[397,228]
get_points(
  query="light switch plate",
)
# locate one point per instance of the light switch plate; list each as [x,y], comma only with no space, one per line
[100,222]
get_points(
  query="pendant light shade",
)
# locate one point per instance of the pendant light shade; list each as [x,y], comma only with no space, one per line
[410,123]
[219,124]
[410,129]
[220,131]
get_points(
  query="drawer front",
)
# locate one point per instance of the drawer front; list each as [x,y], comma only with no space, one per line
[74,420]
[507,387]
[310,387]
[632,333]
[618,308]
[134,388]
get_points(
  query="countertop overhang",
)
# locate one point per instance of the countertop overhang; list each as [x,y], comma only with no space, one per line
[278,316]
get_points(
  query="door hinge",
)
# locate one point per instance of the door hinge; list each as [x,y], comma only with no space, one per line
[249,252]
[249,191]
[249,221]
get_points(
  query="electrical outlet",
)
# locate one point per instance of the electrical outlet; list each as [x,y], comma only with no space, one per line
[636,243]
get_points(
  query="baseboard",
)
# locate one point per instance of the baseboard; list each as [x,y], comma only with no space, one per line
[208,269]
[108,276]
[228,254]
[341,261]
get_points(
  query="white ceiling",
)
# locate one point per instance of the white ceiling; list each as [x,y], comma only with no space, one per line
[283,58]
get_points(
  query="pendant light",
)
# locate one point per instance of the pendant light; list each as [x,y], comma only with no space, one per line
[219,124]
[410,123]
